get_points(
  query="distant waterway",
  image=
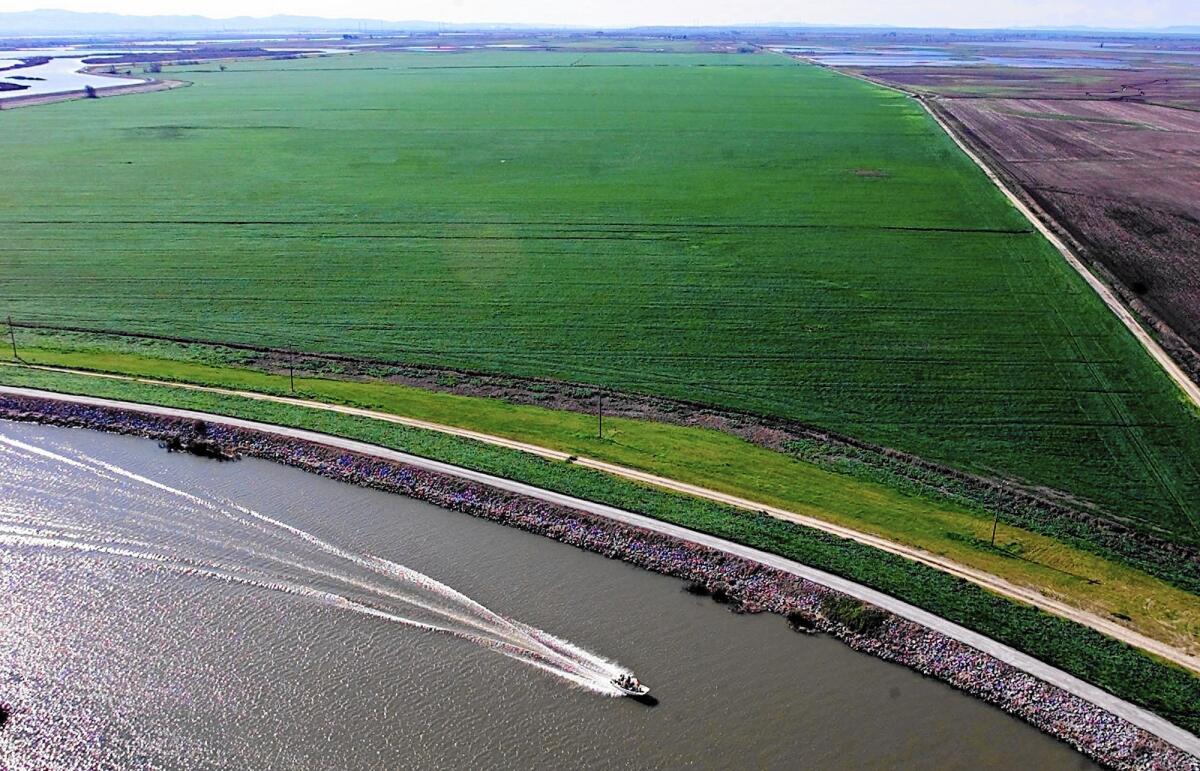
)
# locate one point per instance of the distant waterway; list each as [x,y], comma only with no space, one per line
[167,611]
[916,57]
[62,73]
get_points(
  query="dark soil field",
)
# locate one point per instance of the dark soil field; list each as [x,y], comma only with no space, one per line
[1122,177]
[1112,155]
[1171,84]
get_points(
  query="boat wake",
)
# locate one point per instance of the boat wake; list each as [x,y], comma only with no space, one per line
[207,536]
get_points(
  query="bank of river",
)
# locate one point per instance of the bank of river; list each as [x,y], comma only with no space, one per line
[61,73]
[42,75]
[109,659]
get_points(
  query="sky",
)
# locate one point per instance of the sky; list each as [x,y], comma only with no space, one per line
[617,13]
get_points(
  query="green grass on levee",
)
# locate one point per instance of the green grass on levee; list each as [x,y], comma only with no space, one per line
[736,229]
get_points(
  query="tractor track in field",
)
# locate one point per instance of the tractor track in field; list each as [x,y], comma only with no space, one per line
[569,229]
[1173,370]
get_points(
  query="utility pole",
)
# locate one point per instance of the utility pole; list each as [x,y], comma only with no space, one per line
[292,371]
[600,417]
[995,524]
[12,336]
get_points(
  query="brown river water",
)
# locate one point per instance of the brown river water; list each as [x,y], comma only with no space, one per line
[164,611]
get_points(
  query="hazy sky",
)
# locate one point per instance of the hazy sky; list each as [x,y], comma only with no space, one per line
[611,13]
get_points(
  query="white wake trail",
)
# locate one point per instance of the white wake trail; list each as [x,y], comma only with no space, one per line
[542,643]
[95,465]
[511,631]
[467,618]
[187,568]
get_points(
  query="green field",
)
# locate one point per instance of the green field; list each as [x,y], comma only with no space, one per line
[739,229]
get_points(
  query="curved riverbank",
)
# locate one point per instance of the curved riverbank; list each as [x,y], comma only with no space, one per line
[146,86]
[1040,511]
[756,587]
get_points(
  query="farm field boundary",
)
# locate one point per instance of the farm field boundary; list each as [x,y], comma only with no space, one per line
[1091,243]
[1186,384]
[980,578]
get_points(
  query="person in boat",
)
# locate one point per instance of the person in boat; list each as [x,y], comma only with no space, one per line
[628,681]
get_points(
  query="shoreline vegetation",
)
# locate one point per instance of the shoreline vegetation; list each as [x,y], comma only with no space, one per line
[148,85]
[1041,510]
[747,586]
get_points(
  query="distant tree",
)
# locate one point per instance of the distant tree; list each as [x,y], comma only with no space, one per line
[222,67]
[154,67]
[89,92]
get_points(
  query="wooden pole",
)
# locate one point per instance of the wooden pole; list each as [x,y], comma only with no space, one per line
[292,372]
[12,336]
[600,417]
[995,524]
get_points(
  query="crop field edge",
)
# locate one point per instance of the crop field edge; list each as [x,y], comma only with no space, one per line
[1141,319]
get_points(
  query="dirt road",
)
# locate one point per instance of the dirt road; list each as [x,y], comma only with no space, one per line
[1176,373]
[13,103]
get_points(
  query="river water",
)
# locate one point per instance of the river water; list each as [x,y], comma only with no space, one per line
[903,56]
[61,74]
[164,611]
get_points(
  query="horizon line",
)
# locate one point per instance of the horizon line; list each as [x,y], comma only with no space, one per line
[510,25]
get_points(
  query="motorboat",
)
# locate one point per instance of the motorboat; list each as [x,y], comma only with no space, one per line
[630,685]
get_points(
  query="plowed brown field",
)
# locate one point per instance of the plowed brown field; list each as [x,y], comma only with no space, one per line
[1122,177]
